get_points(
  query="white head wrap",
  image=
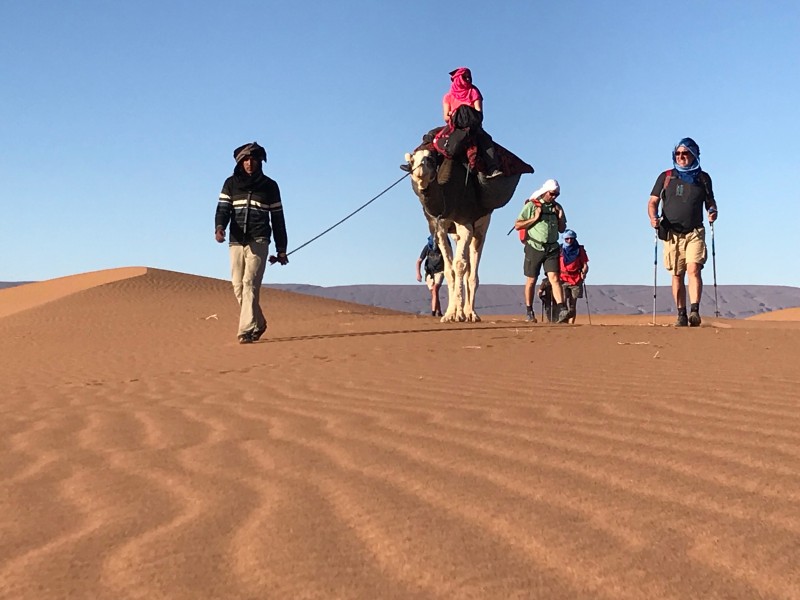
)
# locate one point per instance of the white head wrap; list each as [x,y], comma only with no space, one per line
[551,185]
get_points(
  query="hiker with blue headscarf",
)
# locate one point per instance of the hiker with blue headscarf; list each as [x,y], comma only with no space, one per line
[434,272]
[574,267]
[683,191]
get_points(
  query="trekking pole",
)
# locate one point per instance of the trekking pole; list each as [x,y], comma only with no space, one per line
[714,265]
[586,296]
[655,274]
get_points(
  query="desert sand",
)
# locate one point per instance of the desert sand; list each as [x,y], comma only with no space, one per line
[357,452]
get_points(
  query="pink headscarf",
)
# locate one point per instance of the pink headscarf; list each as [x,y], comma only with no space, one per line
[461,89]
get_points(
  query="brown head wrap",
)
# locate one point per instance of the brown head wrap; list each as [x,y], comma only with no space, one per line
[251,149]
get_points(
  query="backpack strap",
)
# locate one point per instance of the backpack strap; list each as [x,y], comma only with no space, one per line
[667,177]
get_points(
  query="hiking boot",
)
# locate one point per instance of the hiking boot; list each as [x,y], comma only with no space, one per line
[433,313]
[530,318]
[438,313]
[256,335]
[246,338]
[563,315]
[682,321]
[694,319]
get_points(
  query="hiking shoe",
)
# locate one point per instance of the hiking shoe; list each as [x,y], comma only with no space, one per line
[433,313]
[495,173]
[246,338]
[256,335]
[694,319]
[530,318]
[438,313]
[563,316]
[683,320]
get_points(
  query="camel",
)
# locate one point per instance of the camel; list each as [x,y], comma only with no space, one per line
[460,201]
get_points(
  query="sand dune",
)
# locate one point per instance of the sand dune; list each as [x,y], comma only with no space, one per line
[16,299]
[787,314]
[360,453]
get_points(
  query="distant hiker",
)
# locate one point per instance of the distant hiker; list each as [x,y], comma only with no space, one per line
[251,202]
[434,272]
[463,93]
[574,267]
[683,191]
[543,218]
[545,294]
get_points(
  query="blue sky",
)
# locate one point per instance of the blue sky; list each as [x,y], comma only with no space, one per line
[119,120]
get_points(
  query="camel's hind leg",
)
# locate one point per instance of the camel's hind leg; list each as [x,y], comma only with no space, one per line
[471,282]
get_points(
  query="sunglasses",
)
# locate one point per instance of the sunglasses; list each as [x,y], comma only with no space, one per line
[687,154]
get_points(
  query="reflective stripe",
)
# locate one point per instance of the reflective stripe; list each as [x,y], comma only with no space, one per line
[257,204]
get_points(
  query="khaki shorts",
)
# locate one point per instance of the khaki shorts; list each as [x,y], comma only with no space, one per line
[435,279]
[683,248]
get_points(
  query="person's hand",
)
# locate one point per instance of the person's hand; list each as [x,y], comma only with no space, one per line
[712,215]
[219,235]
[654,222]
[281,258]
[419,277]
[559,211]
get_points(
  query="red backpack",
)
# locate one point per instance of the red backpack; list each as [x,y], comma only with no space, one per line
[523,233]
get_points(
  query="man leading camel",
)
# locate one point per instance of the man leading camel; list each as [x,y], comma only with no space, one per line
[251,202]
[544,219]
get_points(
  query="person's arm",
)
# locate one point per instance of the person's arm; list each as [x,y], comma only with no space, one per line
[278,222]
[522,223]
[419,273]
[711,202]
[223,214]
[585,269]
[562,218]
[652,211]
[655,198]
[478,105]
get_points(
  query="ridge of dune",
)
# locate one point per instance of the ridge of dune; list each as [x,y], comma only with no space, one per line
[31,295]
[785,314]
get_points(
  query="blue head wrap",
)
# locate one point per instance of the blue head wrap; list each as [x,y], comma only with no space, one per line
[431,243]
[691,173]
[570,251]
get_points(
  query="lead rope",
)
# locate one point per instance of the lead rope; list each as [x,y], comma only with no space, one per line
[363,206]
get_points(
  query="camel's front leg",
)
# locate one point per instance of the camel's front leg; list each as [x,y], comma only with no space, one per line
[471,281]
[460,270]
[449,271]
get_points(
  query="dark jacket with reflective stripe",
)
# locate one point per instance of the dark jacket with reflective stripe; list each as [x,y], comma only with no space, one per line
[253,213]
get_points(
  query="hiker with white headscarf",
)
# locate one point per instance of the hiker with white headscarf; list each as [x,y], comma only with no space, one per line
[543,219]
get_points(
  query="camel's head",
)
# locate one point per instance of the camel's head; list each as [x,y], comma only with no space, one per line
[423,167]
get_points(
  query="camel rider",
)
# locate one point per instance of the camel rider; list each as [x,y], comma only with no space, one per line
[463,93]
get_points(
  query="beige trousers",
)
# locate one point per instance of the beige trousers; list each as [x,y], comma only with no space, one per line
[247,270]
